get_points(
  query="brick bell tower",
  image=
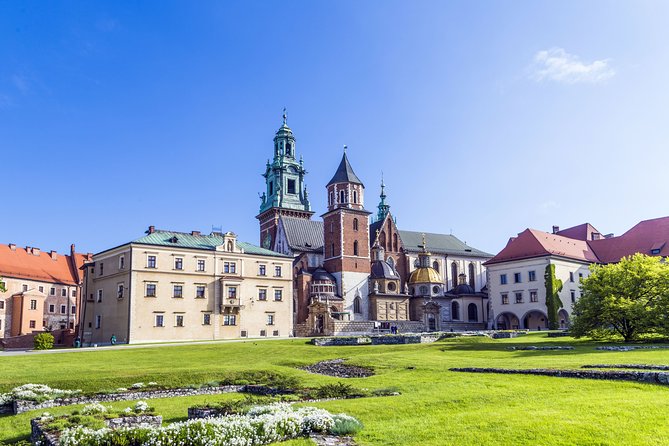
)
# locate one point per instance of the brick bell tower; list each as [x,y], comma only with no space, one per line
[285,193]
[346,239]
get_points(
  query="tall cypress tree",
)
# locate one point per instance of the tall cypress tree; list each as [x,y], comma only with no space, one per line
[553,302]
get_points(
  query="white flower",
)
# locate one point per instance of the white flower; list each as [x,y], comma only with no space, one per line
[121,389]
[141,406]
[92,409]
[137,386]
[152,383]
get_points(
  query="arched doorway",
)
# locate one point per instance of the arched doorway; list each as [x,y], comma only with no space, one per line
[507,321]
[563,319]
[472,312]
[535,320]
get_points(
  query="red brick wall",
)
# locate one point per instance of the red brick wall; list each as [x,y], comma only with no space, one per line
[63,338]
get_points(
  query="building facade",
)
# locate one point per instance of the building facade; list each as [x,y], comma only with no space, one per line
[42,290]
[516,275]
[174,286]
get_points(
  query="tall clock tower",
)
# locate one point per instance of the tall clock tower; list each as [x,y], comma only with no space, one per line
[285,192]
[346,239]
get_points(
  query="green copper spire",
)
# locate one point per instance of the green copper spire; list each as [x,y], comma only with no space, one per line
[383,208]
[284,176]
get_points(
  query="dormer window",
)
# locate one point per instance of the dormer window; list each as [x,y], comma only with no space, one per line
[654,251]
[173,239]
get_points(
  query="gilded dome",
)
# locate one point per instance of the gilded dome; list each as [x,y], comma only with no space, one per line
[424,275]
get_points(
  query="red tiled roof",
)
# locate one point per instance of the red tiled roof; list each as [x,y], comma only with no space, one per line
[643,238]
[581,232]
[22,264]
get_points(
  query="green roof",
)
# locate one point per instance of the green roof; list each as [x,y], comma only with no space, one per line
[439,243]
[206,242]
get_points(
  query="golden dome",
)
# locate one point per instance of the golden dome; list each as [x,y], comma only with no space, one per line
[424,275]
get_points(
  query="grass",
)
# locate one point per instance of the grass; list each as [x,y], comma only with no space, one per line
[436,406]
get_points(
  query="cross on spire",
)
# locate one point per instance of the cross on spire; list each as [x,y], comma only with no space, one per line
[284,116]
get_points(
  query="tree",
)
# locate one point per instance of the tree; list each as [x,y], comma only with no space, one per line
[553,302]
[628,298]
[43,341]
[2,286]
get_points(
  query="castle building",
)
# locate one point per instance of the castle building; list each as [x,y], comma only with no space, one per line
[42,290]
[517,285]
[175,286]
[352,276]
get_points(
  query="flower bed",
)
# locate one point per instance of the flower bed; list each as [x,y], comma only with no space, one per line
[261,425]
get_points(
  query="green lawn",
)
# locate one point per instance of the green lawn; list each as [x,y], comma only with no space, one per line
[437,407]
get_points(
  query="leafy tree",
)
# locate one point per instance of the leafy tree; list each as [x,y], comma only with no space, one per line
[553,302]
[628,298]
[43,341]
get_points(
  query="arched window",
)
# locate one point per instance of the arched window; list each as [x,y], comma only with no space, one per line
[289,148]
[395,242]
[333,252]
[355,196]
[454,274]
[341,196]
[455,311]
[230,245]
[355,224]
[331,198]
[435,265]
[472,313]
[382,240]
[423,290]
[356,305]
[472,279]
[355,248]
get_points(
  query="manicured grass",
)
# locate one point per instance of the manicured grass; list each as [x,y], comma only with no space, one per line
[437,407]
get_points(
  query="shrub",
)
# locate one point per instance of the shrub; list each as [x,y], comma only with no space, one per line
[338,390]
[43,341]
[92,409]
[345,425]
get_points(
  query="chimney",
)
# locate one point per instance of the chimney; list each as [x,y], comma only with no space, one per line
[53,254]
[196,233]
[596,236]
[556,229]
[89,256]
[12,246]
[36,251]
[28,249]
[151,230]
[72,249]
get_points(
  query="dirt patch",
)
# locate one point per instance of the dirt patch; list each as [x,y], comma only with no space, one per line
[337,368]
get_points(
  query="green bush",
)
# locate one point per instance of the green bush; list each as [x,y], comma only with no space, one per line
[345,425]
[44,341]
[338,390]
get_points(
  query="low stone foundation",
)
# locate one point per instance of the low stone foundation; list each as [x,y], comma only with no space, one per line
[337,368]
[643,377]
[626,366]
[550,347]
[40,437]
[628,348]
[25,406]
[409,338]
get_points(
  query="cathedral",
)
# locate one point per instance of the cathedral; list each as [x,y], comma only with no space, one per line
[355,271]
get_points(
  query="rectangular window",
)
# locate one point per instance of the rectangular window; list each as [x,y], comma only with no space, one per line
[263,332]
[121,262]
[517,278]
[277,271]
[262,270]
[74,293]
[2,304]
[98,321]
[25,287]
[41,289]
[74,309]
[150,290]
[233,268]
[63,309]
[151,262]
[571,276]
[119,291]
[533,296]
[160,322]
[63,292]
[102,268]
[178,291]
[52,291]
[262,294]
[244,333]
[199,291]
[532,276]
[573,296]
[178,263]
[200,265]
[99,295]
[275,333]
[519,298]
[580,276]
[505,299]
[278,295]
[33,304]
[232,292]
[52,308]
[32,324]
[502,279]
[291,186]
[179,320]
[229,319]
[226,267]
[206,319]
[270,319]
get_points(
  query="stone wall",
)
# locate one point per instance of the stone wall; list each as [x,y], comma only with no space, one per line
[43,438]
[62,338]
[25,406]
[617,375]
[418,338]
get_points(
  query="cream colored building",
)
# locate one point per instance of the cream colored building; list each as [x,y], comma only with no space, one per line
[173,286]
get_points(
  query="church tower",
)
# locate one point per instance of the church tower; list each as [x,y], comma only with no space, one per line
[285,193]
[346,239]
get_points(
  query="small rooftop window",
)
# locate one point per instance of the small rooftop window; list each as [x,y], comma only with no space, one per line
[174,239]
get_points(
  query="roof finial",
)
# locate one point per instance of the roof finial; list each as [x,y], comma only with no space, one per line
[284,116]
[345,147]
[424,245]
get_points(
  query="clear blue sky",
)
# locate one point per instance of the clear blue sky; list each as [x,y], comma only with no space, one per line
[486,117]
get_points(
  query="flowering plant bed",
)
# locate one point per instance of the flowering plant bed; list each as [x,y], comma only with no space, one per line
[260,425]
